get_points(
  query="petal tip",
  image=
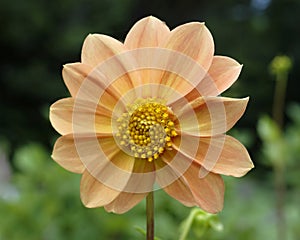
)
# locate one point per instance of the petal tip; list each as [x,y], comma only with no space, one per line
[246,99]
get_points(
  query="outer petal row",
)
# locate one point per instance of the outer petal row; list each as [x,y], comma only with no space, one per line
[220,154]
[193,40]
[98,48]
[148,32]
[207,189]
[213,115]
[222,73]
[96,194]
[71,115]
[65,154]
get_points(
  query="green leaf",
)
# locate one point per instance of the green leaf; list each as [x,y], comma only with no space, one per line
[293,111]
[30,157]
[143,232]
[268,129]
[216,224]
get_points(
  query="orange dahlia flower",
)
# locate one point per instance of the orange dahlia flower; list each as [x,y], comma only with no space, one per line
[146,114]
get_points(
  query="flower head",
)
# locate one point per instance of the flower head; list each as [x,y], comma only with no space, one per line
[147,114]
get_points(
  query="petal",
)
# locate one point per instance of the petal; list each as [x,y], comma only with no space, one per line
[109,170]
[98,48]
[222,73]
[65,154]
[124,202]
[96,152]
[106,83]
[178,188]
[74,74]
[219,154]
[114,68]
[92,85]
[138,186]
[78,116]
[193,40]
[107,162]
[147,32]
[142,177]
[208,191]
[209,116]
[207,188]
[112,62]
[94,193]
[192,50]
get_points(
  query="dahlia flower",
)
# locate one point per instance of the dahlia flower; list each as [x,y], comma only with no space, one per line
[147,114]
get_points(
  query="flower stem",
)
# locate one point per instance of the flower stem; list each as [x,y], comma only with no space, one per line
[150,216]
[280,186]
[279,97]
[279,169]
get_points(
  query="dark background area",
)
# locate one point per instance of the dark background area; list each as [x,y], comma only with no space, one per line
[38,37]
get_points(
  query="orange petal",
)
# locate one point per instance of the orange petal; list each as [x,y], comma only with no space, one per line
[124,202]
[170,73]
[207,188]
[74,74]
[91,85]
[219,154]
[209,116]
[138,186]
[105,84]
[98,48]
[147,32]
[193,40]
[78,116]
[95,151]
[111,63]
[105,160]
[192,50]
[94,193]
[173,184]
[109,170]
[65,154]
[142,177]
[222,73]
[208,191]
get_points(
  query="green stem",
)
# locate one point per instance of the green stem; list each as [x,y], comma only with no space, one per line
[187,225]
[280,199]
[150,216]
[279,99]
[280,188]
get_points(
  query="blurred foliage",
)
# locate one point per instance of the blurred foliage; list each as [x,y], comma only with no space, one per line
[41,200]
[47,204]
[200,222]
[282,147]
[44,203]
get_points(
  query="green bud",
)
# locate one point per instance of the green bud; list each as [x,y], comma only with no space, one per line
[281,65]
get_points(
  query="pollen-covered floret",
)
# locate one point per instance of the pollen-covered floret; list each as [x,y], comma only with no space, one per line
[146,129]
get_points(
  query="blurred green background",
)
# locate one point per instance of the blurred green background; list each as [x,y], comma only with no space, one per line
[40,200]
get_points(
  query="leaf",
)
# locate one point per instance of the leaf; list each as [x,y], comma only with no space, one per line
[293,111]
[143,232]
[30,158]
[268,129]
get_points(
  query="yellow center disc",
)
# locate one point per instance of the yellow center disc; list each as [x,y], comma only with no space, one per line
[146,130]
